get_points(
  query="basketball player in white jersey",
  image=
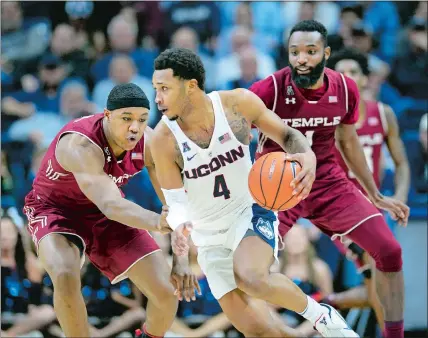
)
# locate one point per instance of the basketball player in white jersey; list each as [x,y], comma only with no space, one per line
[202,160]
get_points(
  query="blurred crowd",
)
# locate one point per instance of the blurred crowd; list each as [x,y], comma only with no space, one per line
[59,60]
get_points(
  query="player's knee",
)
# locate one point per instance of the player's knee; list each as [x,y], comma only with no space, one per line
[251,281]
[65,277]
[389,257]
[163,296]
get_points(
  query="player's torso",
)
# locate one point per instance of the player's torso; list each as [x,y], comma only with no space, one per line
[215,178]
[372,133]
[54,185]
[317,120]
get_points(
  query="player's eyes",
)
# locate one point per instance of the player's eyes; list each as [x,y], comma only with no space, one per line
[294,53]
[312,52]
[164,88]
[142,120]
[127,119]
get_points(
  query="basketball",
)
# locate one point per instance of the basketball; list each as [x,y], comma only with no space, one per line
[269,181]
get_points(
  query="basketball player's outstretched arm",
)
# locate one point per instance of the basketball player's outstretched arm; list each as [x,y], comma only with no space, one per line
[398,154]
[181,273]
[353,154]
[85,161]
[252,108]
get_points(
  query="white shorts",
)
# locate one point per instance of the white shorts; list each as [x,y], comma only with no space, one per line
[217,261]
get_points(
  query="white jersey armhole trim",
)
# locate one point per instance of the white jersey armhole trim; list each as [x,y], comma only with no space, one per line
[381,108]
[346,92]
[276,92]
[73,132]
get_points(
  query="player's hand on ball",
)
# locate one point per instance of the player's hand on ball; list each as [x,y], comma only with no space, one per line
[397,209]
[163,226]
[179,244]
[184,281]
[302,184]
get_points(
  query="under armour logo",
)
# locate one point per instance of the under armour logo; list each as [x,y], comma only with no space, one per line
[323,321]
[108,159]
[290,90]
[292,100]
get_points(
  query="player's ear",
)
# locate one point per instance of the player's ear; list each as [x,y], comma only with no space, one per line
[107,113]
[192,85]
[327,52]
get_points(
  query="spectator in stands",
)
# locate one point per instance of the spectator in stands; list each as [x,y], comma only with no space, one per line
[187,37]
[202,16]
[64,44]
[42,127]
[122,37]
[228,67]
[384,22]
[326,12]
[23,39]
[406,90]
[78,13]
[249,69]
[122,69]
[244,16]
[300,263]
[361,38]
[21,289]
[420,163]
[44,91]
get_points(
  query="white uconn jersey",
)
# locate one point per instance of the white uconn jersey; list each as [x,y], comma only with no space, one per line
[216,178]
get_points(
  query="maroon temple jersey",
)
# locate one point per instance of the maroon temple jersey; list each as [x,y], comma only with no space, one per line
[317,119]
[57,187]
[372,133]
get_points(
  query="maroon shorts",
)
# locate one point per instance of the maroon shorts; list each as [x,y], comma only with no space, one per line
[335,207]
[111,246]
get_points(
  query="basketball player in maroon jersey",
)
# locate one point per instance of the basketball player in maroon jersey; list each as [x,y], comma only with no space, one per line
[76,207]
[322,103]
[376,125]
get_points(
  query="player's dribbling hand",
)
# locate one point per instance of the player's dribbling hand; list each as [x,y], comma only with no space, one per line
[184,281]
[179,244]
[163,226]
[397,209]
[302,184]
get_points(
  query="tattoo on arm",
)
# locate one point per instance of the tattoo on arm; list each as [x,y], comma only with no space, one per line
[178,156]
[296,142]
[239,124]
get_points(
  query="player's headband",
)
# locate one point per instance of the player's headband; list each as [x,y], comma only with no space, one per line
[118,103]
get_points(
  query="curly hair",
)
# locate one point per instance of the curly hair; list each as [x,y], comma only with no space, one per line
[184,64]
[311,26]
[349,54]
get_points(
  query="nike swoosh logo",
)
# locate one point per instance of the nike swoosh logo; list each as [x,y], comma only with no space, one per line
[189,158]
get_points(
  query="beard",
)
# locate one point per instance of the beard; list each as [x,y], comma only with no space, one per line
[308,80]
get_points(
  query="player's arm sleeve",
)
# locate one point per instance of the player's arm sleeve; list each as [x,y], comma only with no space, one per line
[86,162]
[353,99]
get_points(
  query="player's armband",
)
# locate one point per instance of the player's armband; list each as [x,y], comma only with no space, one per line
[176,200]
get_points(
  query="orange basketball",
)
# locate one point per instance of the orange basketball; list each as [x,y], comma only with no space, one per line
[269,181]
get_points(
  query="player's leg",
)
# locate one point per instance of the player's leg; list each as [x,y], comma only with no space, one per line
[253,317]
[361,295]
[376,238]
[61,259]
[124,252]
[151,276]
[251,264]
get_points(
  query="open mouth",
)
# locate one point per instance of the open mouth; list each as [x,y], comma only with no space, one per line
[132,138]
[303,70]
